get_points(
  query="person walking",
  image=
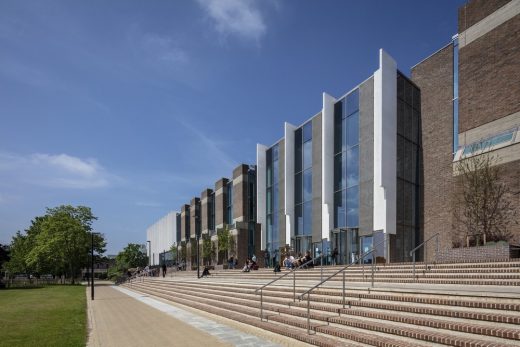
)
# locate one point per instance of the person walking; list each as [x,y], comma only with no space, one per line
[164,270]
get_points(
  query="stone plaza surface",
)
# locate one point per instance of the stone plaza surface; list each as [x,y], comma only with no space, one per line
[120,317]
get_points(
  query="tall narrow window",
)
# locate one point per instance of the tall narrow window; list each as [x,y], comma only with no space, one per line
[303,180]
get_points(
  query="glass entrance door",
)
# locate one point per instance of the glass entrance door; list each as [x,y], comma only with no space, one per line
[345,246]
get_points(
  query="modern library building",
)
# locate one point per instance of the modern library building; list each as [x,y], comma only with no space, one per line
[348,178]
[376,168]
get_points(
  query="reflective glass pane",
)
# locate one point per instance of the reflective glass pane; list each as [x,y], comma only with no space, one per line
[344,134]
[307,185]
[307,218]
[299,220]
[353,166]
[269,199]
[307,155]
[269,175]
[353,206]
[339,171]
[298,188]
[307,131]
[340,210]
[275,152]
[338,143]
[352,102]
[353,129]
[298,150]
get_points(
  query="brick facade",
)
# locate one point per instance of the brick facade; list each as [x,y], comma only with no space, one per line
[476,10]
[489,76]
[434,77]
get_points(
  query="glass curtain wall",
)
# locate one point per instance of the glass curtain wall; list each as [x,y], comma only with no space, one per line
[272,177]
[346,177]
[251,206]
[409,161]
[303,189]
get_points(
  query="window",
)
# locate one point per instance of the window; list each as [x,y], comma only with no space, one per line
[490,143]
[303,179]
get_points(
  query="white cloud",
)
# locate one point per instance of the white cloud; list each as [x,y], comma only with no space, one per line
[53,170]
[163,48]
[235,17]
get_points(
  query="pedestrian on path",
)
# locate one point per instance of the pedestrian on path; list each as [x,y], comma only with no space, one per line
[163,270]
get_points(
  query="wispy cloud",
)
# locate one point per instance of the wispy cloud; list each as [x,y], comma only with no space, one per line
[54,170]
[236,17]
[163,48]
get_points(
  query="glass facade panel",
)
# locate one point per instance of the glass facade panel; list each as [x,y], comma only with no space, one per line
[307,131]
[307,185]
[353,166]
[346,164]
[339,171]
[338,123]
[307,155]
[353,129]
[299,219]
[352,102]
[298,158]
[273,232]
[307,218]
[298,189]
[340,209]
[353,207]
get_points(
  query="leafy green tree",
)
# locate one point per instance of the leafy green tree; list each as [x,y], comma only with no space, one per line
[226,241]
[132,256]
[174,251]
[57,243]
[183,251]
[207,249]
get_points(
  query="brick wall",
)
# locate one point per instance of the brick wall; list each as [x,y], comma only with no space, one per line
[476,10]
[467,254]
[434,77]
[489,76]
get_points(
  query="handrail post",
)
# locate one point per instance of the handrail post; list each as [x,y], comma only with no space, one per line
[261,307]
[294,286]
[343,288]
[321,266]
[309,313]
[374,256]
[437,249]
[413,260]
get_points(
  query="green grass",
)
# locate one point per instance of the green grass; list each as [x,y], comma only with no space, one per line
[50,316]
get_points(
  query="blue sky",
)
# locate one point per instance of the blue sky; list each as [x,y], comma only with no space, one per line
[134,107]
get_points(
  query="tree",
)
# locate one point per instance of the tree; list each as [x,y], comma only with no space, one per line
[183,251]
[226,241]
[207,249]
[132,256]
[482,203]
[174,251]
[57,243]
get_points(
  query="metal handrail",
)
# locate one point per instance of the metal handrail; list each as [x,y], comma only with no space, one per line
[412,252]
[308,291]
[293,271]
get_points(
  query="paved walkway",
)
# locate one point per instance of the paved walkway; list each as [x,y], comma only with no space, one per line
[119,317]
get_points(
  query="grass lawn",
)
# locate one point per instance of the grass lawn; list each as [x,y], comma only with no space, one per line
[50,316]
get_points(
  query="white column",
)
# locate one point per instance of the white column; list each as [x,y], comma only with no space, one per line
[327,169]
[261,165]
[385,144]
[289,182]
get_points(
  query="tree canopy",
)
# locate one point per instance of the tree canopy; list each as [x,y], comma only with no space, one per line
[57,243]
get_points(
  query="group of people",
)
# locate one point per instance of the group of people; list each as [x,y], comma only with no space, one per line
[250,264]
[291,262]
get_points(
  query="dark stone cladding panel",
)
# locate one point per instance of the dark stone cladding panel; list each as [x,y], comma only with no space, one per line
[194,213]
[240,192]
[366,157]
[185,210]
[220,200]
[316,177]
[434,77]
[475,10]
[489,76]
[281,192]
[204,209]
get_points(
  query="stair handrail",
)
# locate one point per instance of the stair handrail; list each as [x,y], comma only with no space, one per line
[293,271]
[361,257]
[412,252]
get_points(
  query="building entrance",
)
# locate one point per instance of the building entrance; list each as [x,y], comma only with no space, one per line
[345,246]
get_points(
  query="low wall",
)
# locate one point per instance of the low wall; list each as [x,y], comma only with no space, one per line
[499,251]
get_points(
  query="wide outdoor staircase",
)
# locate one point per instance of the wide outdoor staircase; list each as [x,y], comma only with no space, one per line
[468,304]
